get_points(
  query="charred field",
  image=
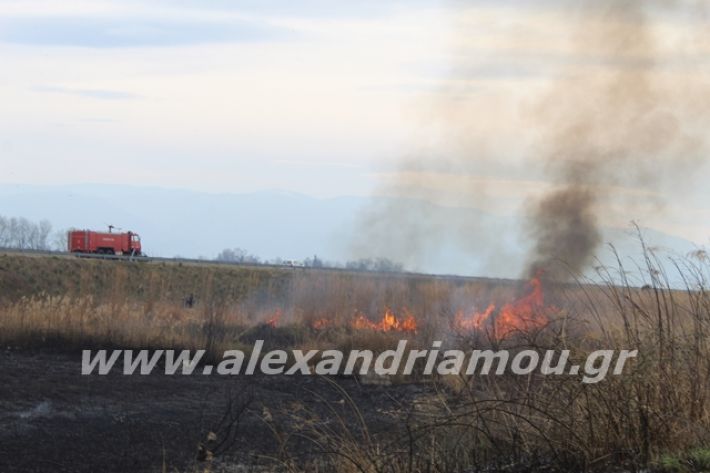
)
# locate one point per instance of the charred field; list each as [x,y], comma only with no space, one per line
[654,416]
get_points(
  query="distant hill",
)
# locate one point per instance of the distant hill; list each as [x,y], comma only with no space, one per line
[274,224]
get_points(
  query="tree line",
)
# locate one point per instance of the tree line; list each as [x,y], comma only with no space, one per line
[21,233]
[239,255]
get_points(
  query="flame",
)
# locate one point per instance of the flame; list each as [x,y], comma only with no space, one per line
[409,324]
[524,314]
[321,324]
[389,322]
[275,318]
[473,321]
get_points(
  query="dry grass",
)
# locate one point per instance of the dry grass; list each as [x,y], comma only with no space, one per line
[547,423]
[70,302]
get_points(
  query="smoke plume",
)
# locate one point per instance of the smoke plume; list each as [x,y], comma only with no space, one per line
[622,127]
[618,123]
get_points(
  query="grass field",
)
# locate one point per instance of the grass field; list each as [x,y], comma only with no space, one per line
[654,416]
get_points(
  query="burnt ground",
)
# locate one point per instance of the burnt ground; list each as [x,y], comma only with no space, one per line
[54,419]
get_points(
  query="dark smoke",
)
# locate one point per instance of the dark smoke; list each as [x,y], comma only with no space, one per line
[618,129]
[566,231]
[619,125]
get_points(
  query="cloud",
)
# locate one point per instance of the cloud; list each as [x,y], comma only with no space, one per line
[316,164]
[118,32]
[102,94]
[304,8]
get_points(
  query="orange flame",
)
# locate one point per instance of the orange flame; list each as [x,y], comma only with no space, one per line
[275,318]
[361,322]
[524,314]
[389,322]
[321,324]
[409,324]
[474,321]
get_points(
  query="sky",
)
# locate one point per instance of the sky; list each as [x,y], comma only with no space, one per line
[233,96]
[325,98]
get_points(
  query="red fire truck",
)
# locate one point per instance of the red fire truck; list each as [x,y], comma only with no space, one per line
[87,241]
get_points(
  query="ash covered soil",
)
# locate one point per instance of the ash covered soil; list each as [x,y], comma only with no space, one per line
[54,419]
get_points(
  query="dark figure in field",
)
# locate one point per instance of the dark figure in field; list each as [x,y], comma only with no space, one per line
[189,301]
